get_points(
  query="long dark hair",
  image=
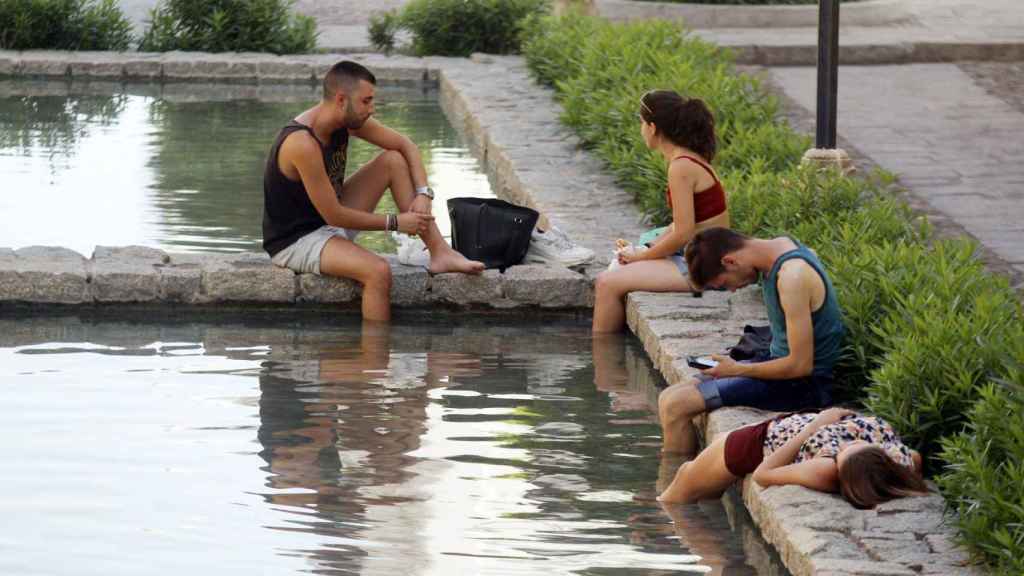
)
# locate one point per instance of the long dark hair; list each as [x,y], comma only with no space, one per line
[869,477]
[687,122]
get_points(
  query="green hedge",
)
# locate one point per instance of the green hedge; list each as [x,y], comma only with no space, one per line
[985,482]
[455,27]
[63,25]
[229,26]
[929,329]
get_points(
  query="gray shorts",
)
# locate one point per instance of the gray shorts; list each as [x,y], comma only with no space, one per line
[303,255]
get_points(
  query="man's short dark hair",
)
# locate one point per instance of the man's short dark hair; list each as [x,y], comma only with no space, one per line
[704,253]
[345,76]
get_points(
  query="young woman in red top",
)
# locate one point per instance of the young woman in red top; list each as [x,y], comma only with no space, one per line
[683,131]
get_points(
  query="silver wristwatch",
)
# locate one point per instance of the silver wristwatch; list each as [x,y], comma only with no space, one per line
[426,191]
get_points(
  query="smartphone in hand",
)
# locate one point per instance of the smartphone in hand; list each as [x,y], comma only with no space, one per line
[701,362]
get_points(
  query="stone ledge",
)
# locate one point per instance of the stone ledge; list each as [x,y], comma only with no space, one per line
[206,67]
[138,274]
[815,534]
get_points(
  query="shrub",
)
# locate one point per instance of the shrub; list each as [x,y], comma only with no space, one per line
[940,337]
[456,27]
[984,482]
[928,328]
[229,26]
[63,25]
[382,30]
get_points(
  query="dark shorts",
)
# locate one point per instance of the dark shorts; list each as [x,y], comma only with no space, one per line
[744,448]
[813,391]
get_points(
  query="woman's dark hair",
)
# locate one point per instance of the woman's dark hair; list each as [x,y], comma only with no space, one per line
[686,122]
[869,477]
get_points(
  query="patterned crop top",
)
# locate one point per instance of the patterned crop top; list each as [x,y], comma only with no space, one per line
[829,440]
[707,203]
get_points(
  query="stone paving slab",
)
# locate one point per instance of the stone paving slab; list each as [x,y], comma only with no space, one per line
[44,275]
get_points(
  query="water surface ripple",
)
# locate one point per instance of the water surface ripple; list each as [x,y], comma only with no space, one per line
[322,447]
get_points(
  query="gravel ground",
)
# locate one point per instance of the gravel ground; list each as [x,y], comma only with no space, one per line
[1004,80]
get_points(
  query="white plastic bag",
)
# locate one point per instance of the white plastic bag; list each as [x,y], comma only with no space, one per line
[621,246]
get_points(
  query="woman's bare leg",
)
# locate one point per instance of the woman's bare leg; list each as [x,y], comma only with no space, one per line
[611,288]
[703,477]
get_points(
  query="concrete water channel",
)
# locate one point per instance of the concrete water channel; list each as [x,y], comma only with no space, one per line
[512,127]
[183,403]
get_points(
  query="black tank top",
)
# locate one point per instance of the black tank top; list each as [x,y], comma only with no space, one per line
[288,213]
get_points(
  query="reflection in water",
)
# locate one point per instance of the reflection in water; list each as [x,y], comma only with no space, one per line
[451,448]
[179,173]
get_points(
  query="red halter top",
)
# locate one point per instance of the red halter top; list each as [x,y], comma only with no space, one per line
[707,203]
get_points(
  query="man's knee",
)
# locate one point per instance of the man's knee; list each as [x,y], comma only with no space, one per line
[682,402]
[378,276]
[395,161]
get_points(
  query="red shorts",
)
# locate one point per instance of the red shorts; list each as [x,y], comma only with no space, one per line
[744,448]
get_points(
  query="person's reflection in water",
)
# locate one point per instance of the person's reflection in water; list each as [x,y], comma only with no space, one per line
[611,374]
[703,530]
[341,416]
[694,525]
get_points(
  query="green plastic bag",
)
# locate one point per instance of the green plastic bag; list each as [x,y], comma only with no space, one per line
[650,236]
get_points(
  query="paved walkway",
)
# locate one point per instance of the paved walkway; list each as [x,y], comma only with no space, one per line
[955,145]
[342,23]
[936,30]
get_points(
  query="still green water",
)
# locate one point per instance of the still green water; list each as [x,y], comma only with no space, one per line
[180,168]
[239,445]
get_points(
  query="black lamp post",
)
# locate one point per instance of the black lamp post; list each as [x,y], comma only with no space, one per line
[828,73]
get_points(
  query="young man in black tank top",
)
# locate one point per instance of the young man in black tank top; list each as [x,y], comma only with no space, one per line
[312,212]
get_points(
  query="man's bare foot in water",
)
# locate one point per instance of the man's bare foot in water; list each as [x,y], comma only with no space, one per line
[448,260]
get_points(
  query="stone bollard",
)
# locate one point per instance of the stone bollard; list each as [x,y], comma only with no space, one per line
[829,158]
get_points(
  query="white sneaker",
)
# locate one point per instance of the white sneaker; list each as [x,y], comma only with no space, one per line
[411,250]
[554,246]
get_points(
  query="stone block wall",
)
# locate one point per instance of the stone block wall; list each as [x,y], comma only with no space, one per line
[138,274]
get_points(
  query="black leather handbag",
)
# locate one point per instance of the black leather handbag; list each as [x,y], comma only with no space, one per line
[491,231]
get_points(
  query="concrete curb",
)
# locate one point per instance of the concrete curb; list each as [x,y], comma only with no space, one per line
[865,13]
[39,275]
[814,533]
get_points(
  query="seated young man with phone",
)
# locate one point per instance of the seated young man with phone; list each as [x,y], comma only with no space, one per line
[806,325]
